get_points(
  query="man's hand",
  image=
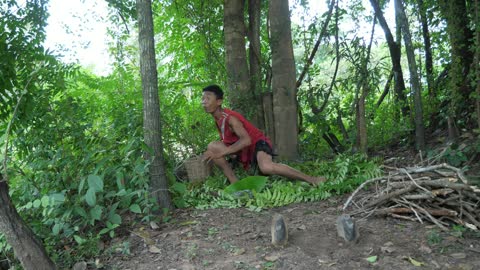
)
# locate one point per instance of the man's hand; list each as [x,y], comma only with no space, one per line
[209,156]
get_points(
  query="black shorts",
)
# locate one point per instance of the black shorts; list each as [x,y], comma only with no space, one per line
[261,145]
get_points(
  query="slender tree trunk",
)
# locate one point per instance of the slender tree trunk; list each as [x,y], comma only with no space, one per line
[317,44]
[362,141]
[427,47]
[414,79]
[395,55]
[477,58]
[267,99]
[255,57]
[236,58]
[283,80]
[28,250]
[151,105]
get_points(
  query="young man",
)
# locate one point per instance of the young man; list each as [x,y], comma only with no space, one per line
[241,138]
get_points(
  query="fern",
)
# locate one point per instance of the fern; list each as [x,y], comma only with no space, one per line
[344,174]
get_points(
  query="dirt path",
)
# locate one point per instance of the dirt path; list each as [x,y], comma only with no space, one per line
[240,239]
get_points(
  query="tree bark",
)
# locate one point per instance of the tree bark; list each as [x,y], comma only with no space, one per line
[477,58]
[395,55]
[151,105]
[414,79]
[283,80]
[238,79]
[267,100]
[427,47]
[455,13]
[27,248]
[255,57]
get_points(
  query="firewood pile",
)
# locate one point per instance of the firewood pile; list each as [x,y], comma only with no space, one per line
[438,193]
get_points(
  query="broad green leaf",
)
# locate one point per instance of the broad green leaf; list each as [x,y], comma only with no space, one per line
[56,229]
[256,183]
[45,201]
[37,203]
[96,212]
[135,208]
[115,219]
[57,197]
[28,205]
[90,197]
[80,211]
[372,259]
[104,231]
[95,182]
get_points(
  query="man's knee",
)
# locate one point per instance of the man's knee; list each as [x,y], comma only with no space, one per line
[215,146]
[266,168]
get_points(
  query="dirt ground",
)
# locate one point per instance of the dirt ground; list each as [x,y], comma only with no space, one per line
[241,239]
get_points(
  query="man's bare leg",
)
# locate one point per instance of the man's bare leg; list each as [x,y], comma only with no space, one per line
[267,166]
[217,147]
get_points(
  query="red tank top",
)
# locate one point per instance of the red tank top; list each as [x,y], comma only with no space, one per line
[228,137]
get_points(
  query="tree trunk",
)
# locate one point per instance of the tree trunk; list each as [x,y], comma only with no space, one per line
[255,58]
[28,250]
[427,47]
[236,58]
[283,80]
[455,13]
[414,79]
[151,105]
[395,55]
[477,58]
[267,100]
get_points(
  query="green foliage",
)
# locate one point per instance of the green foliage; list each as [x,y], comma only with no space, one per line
[253,183]
[344,174]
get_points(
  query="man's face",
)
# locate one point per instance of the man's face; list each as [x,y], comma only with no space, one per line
[210,102]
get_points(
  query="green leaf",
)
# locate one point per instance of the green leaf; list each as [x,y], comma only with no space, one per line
[96,212]
[256,183]
[56,229]
[79,239]
[181,188]
[95,182]
[90,197]
[120,177]
[57,198]
[28,205]
[45,201]
[115,219]
[135,208]
[80,186]
[104,231]
[37,203]
[372,259]
[80,211]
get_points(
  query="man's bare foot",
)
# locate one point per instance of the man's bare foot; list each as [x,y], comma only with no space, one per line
[317,180]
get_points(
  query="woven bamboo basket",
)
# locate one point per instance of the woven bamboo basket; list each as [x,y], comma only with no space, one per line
[197,170]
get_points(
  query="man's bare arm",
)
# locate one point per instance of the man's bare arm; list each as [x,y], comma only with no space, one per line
[242,134]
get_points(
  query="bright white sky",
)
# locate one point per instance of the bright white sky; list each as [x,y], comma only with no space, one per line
[77,29]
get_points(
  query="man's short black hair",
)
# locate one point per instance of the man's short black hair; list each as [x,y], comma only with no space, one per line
[214,89]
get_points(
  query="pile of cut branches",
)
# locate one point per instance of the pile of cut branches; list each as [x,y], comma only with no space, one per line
[438,193]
